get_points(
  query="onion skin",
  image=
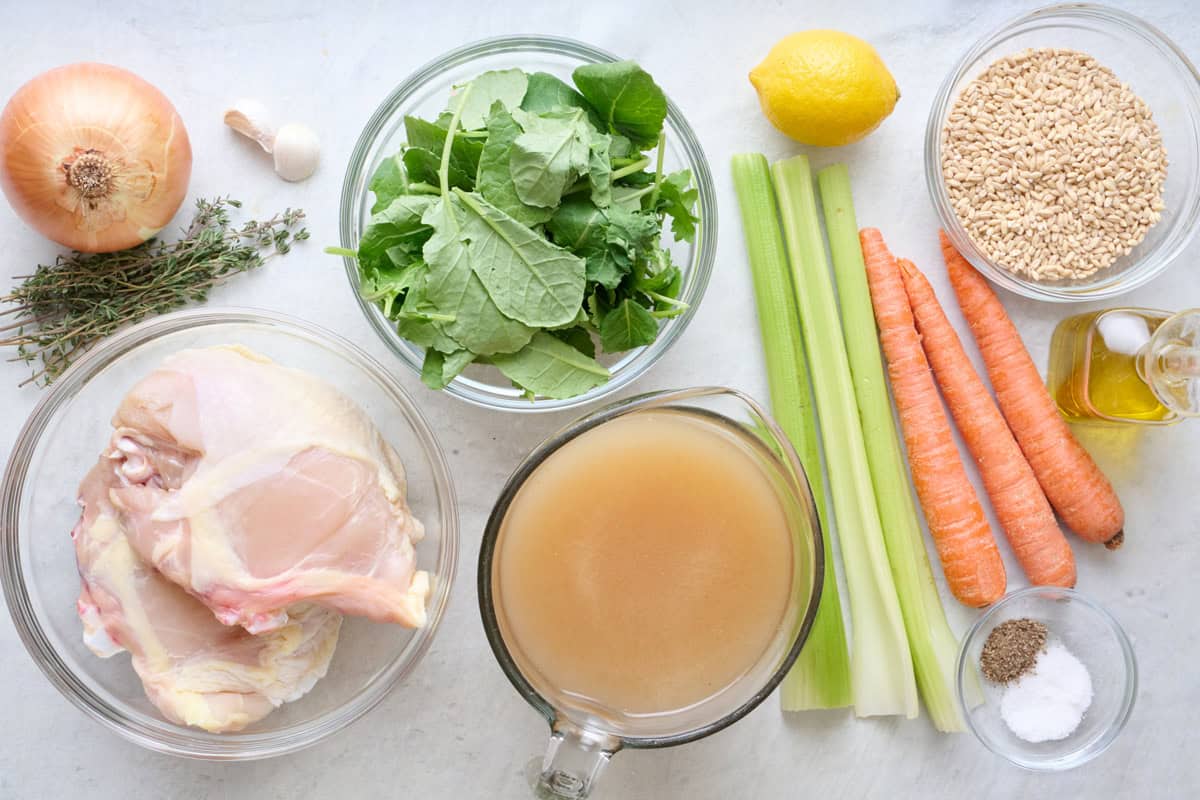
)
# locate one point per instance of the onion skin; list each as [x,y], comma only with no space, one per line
[93,157]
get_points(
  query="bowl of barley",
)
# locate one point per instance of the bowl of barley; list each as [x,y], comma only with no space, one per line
[1062,153]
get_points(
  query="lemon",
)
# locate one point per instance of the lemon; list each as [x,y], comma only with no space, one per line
[824,88]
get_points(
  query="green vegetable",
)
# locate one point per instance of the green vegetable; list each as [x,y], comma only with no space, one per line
[423,165]
[612,242]
[549,155]
[452,286]
[933,645]
[506,87]
[578,337]
[395,234]
[677,199]
[550,367]
[820,677]
[626,98]
[600,171]
[420,321]
[627,326]
[495,178]
[882,667]
[547,93]
[528,278]
[388,284]
[388,183]
[579,226]
[525,224]
[441,368]
[426,143]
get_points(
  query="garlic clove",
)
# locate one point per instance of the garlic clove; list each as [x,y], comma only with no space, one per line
[250,118]
[297,150]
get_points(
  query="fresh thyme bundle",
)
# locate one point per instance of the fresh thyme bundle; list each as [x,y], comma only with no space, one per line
[63,307]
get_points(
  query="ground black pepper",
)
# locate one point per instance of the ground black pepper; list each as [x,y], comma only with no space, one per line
[1011,649]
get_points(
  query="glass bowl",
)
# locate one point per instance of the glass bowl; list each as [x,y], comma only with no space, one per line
[60,442]
[424,93]
[1142,57]
[1094,637]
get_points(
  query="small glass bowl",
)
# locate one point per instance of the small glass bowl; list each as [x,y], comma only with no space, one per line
[425,93]
[1158,71]
[62,439]
[1094,637]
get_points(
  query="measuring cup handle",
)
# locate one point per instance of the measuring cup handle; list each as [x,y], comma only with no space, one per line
[574,760]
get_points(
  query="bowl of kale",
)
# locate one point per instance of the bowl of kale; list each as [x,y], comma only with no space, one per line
[528,222]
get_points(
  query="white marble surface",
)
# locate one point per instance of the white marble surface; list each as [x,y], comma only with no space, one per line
[457,729]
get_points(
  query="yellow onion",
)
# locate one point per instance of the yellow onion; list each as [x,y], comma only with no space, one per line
[93,157]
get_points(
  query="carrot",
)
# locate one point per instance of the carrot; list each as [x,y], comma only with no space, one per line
[970,559]
[1075,486]
[1020,505]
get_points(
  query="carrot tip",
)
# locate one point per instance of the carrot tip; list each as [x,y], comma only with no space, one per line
[1116,541]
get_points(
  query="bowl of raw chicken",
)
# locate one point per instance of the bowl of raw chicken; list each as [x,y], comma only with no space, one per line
[227,534]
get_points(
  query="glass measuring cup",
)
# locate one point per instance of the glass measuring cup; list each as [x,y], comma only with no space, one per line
[584,735]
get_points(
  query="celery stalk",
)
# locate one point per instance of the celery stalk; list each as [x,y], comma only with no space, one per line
[933,645]
[881,667]
[820,677]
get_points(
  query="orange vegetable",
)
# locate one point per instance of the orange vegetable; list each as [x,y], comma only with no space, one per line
[1075,486]
[970,559]
[1020,505]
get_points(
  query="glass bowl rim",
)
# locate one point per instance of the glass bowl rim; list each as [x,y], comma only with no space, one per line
[1128,699]
[177,740]
[534,458]
[1143,270]
[697,273]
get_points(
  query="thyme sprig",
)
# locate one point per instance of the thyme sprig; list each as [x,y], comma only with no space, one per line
[62,308]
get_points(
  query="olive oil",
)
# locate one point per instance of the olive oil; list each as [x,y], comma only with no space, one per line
[1126,365]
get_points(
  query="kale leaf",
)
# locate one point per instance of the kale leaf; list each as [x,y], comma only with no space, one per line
[495,181]
[505,86]
[627,99]
[476,322]
[550,367]
[551,152]
[529,278]
[548,93]
[627,326]
[441,368]
[388,182]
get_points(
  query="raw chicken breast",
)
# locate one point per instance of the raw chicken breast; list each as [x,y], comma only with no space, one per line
[256,487]
[194,669]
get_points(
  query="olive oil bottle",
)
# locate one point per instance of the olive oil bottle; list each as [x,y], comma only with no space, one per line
[1127,365]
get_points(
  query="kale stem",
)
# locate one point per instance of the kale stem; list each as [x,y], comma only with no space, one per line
[658,170]
[662,298]
[639,194]
[431,316]
[637,166]
[632,167]
[444,167]
[342,251]
[668,313]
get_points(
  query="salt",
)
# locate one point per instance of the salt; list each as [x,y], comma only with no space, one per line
[1048,703]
